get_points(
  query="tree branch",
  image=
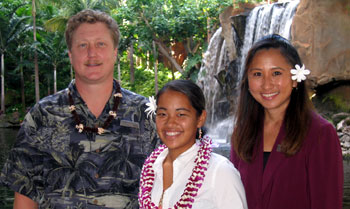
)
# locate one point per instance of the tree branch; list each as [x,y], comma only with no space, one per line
[162,47]
[170,58]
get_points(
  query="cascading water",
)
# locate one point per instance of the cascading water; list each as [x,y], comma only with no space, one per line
[262,20]
[206,78]
[265,20]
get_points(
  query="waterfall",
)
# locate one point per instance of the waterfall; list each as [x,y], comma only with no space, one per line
[213,60]
[262,20]
[265,20]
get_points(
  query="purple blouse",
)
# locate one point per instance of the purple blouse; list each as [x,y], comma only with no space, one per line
[311,179]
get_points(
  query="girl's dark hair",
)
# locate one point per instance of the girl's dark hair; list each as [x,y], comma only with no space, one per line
[250,113]
[188,88]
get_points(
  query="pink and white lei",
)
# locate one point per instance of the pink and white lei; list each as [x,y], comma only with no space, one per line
[194,182]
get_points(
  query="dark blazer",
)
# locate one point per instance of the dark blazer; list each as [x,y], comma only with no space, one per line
[311,179]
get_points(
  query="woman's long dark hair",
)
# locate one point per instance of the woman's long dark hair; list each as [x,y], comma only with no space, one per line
[250,113]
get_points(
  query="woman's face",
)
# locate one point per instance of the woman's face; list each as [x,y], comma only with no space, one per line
[177,121]
[269,80]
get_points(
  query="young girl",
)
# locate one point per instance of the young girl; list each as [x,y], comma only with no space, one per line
[184,173]
[288,156]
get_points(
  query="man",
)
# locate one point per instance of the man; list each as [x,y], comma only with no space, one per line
[84,146]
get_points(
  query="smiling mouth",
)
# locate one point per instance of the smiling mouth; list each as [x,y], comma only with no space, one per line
[93,64]
[270,95]
[172,133]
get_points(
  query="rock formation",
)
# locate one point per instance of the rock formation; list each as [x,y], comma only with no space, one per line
[321,33]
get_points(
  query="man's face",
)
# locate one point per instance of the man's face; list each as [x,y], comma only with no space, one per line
[92,53]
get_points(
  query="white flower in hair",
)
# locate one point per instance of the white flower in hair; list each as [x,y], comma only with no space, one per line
[152,107]
[299,73]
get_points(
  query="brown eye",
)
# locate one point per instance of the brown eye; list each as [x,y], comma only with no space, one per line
[257,74]
[277,73]
[160,114]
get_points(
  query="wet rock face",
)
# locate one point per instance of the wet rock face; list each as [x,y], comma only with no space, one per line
[320,32]
[343,129]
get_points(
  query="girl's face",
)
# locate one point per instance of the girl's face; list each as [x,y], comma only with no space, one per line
[269,80]
[177,121]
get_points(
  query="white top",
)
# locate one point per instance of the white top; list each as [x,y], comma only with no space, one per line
[222,187]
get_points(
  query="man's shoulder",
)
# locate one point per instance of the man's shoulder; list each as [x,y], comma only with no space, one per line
[60,96]
[132,96]
[57,100]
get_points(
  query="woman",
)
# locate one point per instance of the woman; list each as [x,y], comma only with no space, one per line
[184,173]
[288,155]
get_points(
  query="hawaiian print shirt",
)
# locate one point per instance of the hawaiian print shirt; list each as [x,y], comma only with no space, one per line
[58,167]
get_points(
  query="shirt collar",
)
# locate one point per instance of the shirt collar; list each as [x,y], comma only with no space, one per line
[180,161]
[77,98]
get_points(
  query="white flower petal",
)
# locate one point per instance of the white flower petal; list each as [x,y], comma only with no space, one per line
[299,73]
[152,107]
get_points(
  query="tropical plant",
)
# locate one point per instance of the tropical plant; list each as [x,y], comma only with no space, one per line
[178,28]
[68,8]
[53,49]
[12,26]
[171,25]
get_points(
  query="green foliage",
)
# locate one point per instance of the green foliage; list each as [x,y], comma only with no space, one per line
[192,67]
[338,101]
[141,22]
[144,78]
[185,21]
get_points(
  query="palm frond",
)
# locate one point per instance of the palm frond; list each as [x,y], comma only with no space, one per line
[56,24]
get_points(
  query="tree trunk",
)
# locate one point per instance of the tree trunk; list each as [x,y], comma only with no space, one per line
[155,55]
[169,57]
[119,74]
[54,79]
[162,48]
[2,82]
[173,74]
[208,30]
[131,58]
[22,85]
[71,72]
[37,90]
[36,66]
[48,85]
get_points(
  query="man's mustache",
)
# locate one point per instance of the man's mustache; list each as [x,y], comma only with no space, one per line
[93,62]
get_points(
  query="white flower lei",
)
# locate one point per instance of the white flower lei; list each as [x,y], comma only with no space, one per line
[299,73]
[194,182]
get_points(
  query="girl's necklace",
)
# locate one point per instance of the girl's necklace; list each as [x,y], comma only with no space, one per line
[194,182]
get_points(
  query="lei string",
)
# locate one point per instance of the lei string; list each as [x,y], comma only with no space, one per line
[99,130]
[194,182]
